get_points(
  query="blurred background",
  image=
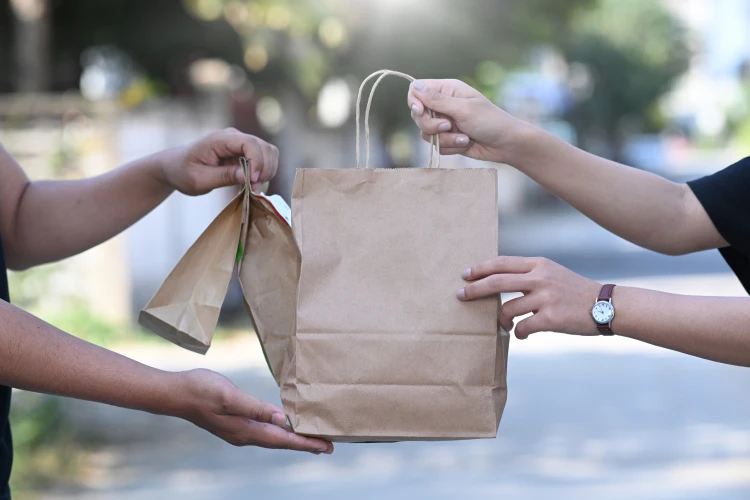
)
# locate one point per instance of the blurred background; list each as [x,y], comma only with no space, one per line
[86,85]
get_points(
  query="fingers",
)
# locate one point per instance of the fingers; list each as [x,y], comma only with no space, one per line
[241,431]
[424,94]
[519,306]
[262,156]
[270,164]
[242,404]
[494,284]
[429,124]
[248,421]
[500,265]
[221,177]
[271,436]
[451,142]
[533,324]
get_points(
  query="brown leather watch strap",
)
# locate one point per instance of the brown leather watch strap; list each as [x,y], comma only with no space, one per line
[605,330]
[606,292]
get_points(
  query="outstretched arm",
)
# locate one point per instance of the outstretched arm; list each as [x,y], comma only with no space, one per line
[639,206]
[49,220]
[37,357]
[559,300]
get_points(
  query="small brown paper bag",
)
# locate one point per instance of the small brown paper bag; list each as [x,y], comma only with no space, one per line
[185,309]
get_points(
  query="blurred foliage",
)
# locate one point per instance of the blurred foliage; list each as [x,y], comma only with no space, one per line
[78,319]
[46,447]
[305,42]
[308,42]
[634,52]
[28,287]
[28,290]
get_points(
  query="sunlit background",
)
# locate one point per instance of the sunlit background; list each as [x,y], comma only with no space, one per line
[661,85]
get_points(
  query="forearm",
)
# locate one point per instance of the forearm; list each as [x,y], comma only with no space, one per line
[57,219]
[638,206]
[715,328]
[37,357]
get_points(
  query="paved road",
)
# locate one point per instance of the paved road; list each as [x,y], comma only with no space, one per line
[577,425]
[586,418]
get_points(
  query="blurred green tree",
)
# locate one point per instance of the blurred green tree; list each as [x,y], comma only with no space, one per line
[305,42]
[633,51]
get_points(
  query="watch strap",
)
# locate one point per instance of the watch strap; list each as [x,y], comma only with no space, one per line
[606,293]
[605,330]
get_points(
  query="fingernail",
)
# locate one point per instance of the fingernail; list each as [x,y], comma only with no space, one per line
[444,127]
[461,294]
[419,85]
[323,450]
[256,176]
[240,176]
[466,274]
[462,140]
[415,109]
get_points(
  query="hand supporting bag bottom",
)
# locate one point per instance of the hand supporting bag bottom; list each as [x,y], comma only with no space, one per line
[382,350]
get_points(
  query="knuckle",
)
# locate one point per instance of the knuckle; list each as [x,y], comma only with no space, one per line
[541,262]
[545,295]
[499,262]
[223,401]
[192,183]
[257,412]
[495,281]
[227,177]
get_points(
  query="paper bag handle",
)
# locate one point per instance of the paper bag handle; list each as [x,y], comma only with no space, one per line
[434,139]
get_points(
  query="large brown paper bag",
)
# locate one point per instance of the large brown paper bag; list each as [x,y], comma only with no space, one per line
[382,349]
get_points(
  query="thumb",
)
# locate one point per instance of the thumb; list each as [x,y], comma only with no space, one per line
[215,177]
[435,100]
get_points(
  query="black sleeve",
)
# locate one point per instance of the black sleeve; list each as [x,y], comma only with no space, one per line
[725,196]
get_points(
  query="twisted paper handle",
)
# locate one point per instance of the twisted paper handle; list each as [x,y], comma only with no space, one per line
[434,139]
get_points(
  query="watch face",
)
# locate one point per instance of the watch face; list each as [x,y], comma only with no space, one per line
[603,312]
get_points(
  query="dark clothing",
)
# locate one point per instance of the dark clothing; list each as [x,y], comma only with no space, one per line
[6,444]
[725,196]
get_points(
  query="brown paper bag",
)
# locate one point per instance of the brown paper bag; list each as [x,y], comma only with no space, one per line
[185,309]
[382,349]
[269,274]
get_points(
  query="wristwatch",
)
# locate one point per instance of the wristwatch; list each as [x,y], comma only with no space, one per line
[603,311]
